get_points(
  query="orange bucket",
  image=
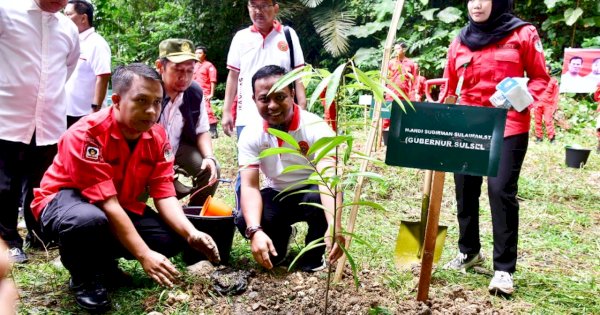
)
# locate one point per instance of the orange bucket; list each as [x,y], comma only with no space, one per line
[215,208]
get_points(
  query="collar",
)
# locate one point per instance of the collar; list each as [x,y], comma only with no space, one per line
[276,26]
[33,6]
[294,124]
[85,34]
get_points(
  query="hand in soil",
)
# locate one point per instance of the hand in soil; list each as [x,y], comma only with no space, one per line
[262,246]
[159,268]
[335,252]
[205,244]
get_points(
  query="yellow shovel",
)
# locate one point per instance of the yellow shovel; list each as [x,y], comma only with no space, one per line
[409,245]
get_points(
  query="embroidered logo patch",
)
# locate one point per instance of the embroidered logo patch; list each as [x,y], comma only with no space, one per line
[283,46]
[168,152]
[538,46]
[92,153]
[303,147]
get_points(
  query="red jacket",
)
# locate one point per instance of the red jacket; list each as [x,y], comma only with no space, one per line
[403,73]
[94,157]
[519,53]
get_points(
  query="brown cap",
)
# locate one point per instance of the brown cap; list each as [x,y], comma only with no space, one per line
[177,50]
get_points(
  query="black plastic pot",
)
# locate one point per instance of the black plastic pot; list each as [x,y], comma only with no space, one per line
[575,157]
[221,229]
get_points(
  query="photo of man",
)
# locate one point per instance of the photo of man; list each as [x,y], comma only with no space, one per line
[581,70]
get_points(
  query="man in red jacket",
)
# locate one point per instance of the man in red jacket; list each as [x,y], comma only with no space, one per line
[545,108]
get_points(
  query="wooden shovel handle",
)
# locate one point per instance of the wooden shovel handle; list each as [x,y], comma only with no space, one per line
[433,219]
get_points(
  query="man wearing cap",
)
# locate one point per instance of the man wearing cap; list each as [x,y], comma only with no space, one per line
[86,89]
[39,48]
[185,118]
[93,199]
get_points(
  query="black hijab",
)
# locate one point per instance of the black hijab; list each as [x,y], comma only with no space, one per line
[499,25]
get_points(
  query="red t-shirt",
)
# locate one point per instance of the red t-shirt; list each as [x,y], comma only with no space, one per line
[94,157]
[205,73]
[518,53]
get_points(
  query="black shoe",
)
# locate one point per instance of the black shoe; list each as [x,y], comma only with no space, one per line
[214,134]
[17,255]
[538,139]
[552,140]
[91,296]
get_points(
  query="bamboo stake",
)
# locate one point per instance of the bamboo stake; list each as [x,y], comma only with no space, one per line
[372,133]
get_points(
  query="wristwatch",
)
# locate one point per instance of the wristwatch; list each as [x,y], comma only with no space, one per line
[251,230]
[95,106]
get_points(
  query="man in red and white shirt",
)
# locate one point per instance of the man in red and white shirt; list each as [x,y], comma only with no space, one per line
[263,43]
[92,199]
[266,218]
[205,74]
[39,48]
[86,89]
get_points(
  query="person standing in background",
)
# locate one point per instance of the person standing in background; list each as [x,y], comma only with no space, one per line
[205,74]
[86,89]
[263,43]
[43,47]
[545,108]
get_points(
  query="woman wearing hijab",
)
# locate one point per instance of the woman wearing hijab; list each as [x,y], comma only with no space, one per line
[494,45]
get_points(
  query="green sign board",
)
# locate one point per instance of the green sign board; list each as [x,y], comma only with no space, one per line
[449,138]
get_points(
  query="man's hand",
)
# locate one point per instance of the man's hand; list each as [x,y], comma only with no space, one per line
[205,244]
[227,123]
[211,164]
[262,246]
[333,245]
[159,268]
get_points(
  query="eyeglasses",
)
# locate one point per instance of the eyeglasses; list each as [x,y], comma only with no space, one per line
[261,7]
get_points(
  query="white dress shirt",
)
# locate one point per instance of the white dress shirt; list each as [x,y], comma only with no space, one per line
[39,51]
[94,61]
[172,120]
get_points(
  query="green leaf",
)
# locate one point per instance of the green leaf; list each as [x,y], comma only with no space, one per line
[352,265]
[332,87]
[367,30]
[571,16]
[428,15]
[311,3]
[449,15]
[334,143]
[318,90]
[297,167]
[291,77]
[550,3]
[286,137]
[314,244]
[280,150]
[319,144]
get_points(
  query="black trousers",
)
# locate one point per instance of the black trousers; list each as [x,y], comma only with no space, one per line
[502,192]
[85,241]
[279,214]
[22,167]
[189,158]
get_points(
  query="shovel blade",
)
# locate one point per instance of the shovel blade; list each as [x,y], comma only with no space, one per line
[409,245]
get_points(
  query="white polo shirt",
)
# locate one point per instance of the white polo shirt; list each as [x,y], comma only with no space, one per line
[94,61]
[306,128]
[251,51]
[39,52]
